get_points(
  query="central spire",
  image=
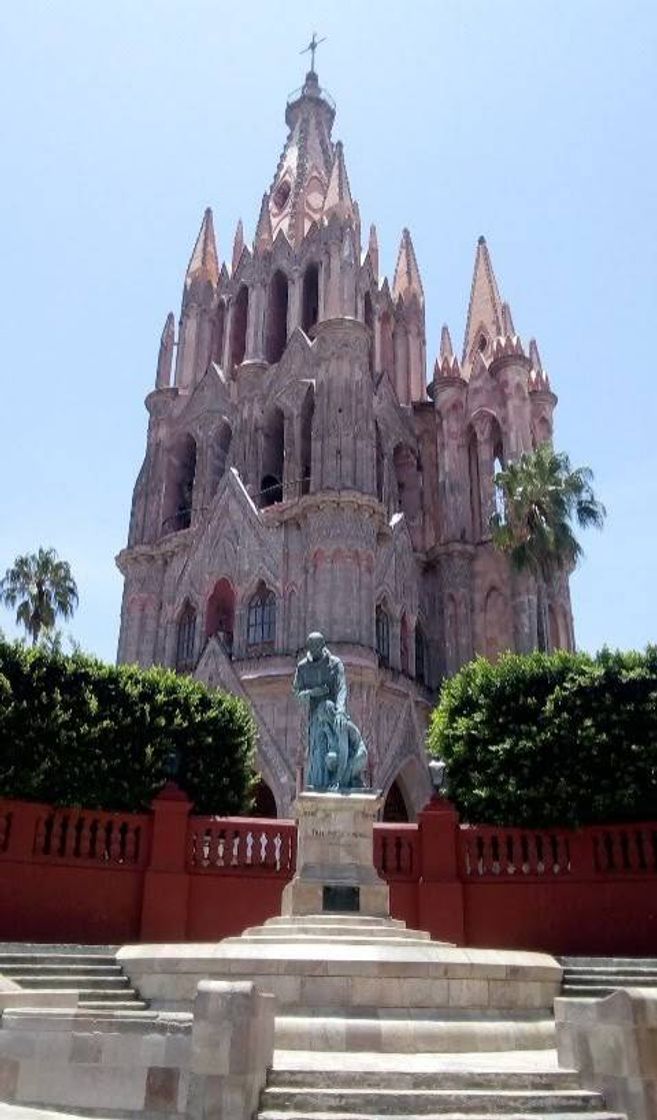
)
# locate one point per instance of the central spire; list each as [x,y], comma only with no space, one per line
[296,196]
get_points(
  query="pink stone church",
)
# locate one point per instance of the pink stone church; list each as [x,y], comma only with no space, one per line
[300,474]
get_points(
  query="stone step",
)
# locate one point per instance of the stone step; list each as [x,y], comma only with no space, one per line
[69,980]
[590,1114]
[116,1005]
[390,1033]
[54,960]
[330,928]
[71,969]
[377,1101]
[359,938]
[336,919]
[608,962]
[581,991]
[534,1080]
[65,947]
[645,980]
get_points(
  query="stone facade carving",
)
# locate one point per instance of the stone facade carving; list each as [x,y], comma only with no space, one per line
[300,475]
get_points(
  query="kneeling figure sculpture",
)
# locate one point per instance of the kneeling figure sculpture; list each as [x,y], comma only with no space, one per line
[337,755]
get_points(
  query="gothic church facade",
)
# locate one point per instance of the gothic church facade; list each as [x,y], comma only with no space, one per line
[300,474]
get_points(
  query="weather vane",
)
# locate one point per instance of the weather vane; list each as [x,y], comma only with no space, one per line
[312,47]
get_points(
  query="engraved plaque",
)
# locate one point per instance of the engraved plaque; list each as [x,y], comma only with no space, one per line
[341,900]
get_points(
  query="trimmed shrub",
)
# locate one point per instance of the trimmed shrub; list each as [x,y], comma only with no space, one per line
[551,739]
[74,731]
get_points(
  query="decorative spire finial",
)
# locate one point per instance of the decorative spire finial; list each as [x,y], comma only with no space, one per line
[312,47]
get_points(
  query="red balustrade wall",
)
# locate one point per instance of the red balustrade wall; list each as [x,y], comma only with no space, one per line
[95,877]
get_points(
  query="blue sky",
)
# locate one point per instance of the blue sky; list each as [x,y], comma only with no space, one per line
[531,122]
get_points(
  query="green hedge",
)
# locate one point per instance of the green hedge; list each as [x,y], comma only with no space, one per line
[74,731]
[551,739]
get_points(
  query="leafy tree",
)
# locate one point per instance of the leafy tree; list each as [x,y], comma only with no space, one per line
[542,496]
[75,731]
[559,739]
[42,588]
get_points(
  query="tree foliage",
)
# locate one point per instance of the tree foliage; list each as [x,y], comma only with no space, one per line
[42,588]
[551,739]
[74,731]
[542,498]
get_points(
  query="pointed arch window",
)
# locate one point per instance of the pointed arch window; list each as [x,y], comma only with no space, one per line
[239,325]
[261,624]
[310,300]
[186,640]
[382,635]
[277,317]
[420,655]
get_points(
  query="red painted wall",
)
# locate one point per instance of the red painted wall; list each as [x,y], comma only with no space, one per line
[100,878]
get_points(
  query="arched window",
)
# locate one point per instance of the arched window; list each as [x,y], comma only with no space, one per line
[420,655]
[186,639]
[394,809]
[380,464]
[404,646]
[261,625]
[179,491]
[219,455]
[402,366]
[382,635]
[307,413]
[498,465]
[264,802]
[387,344]
[475,490]
[407,473]
[276,317]
[239,325]
[310,299]
[220,614]
[218,334]
[368,316]
[273,455]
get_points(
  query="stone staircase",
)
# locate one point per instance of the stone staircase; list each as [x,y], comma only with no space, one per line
[90,971]
[428,1086]
[593,977]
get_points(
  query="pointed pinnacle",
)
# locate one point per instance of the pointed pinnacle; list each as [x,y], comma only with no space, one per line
[407,280]
[446,350]
[203,262]
[338,193]
[238,246]
[373,251]
[263,235]
[507,320]
[534,356]
[485,306]
[165,355]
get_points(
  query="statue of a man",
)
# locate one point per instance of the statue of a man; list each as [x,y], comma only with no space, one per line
[337,754]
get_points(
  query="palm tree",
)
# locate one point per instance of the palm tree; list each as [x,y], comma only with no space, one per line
[43,587]
[541,498]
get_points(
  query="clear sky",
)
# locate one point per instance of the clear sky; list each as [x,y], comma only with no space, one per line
[531,122]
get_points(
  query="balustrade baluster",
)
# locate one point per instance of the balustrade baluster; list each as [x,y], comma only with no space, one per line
[114,833]
[84,838]
[495,854]
[61,835]
[510,860]
[131,844]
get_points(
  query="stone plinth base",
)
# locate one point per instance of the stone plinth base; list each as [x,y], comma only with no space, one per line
[335,856]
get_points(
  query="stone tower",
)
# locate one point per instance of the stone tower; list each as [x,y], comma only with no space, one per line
[299,474]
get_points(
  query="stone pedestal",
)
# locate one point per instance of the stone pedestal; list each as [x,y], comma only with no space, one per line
[335,856]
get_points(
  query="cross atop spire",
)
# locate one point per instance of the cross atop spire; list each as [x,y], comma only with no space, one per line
[312,47]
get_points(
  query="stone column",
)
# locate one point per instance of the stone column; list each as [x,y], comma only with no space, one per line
[232,1049]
